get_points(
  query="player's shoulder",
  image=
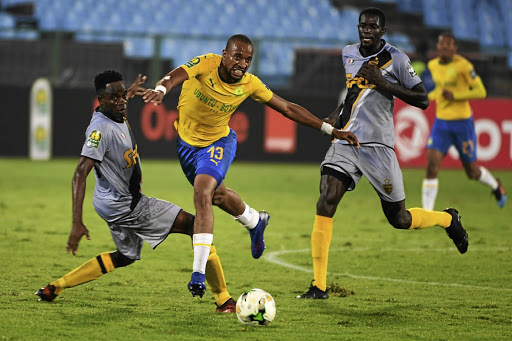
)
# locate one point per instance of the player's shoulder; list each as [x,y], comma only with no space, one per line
[100,122]
[395,52]
[350,50]
[433,62]
[212,57]
[460,60]
[209,60]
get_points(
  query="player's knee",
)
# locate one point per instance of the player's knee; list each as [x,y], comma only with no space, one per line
[119,260]
[473,174]
[218,198]
[399,221]
[326,205]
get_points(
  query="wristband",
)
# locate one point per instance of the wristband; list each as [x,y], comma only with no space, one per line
[326,128]
[161,88]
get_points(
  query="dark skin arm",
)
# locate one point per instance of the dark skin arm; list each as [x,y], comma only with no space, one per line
[170,80]
[300,115]
[331,119]
[416,96]
[78,230]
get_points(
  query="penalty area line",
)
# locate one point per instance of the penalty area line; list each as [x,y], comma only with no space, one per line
[273,257]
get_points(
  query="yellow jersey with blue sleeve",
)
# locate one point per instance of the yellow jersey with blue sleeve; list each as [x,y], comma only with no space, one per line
[206,102]
[459,77]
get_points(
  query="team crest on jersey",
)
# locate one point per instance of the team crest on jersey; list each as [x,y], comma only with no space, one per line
[193,62]
[387,186]
[410,69]
[94,139]
[239,91]
[473,74]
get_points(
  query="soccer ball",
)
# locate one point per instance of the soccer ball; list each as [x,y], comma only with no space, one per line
[256,307]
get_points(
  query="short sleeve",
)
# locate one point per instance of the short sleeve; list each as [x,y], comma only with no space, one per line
[259,91]
[469,73]
[201,64]
[406,74]
[96,143]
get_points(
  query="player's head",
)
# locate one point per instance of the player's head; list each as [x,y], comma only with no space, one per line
[446,46]
[111,92]
[236,57]
[371,27]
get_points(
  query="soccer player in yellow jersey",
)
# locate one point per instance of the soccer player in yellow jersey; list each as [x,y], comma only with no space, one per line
[456,82]
[213,88]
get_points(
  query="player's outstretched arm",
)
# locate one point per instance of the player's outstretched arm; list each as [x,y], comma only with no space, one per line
[78,230]
[416,96]
[301,115]
[164,85]
[136,89]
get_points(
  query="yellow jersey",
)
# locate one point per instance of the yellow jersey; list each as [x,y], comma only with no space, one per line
[206,102]
[459,77]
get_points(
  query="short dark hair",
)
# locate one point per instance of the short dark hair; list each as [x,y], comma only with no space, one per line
[374,11]
[448,34]
[238,37]
[103,78]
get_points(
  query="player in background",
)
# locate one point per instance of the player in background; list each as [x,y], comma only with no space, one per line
[376,73]
[213,88]
[132,217]
[456,82]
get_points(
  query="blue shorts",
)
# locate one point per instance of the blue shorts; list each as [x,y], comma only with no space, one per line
[460,133]
[213,160]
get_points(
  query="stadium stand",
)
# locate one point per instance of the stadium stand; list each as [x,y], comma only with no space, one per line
[168,30]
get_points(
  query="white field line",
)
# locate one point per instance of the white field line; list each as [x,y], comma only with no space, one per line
[273,257]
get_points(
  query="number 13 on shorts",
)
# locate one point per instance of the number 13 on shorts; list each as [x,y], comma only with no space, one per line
[216,154]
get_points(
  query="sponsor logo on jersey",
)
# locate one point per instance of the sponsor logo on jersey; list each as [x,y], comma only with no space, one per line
[473,74]
[94,139]
[193,62]
[350,61]
[387,186]
[410,69]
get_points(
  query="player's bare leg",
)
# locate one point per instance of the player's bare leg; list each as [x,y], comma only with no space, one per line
[202,239]
[418,218]
[256,222]
[482,174]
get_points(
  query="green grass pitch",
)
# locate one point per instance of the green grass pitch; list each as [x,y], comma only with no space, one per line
[386,284]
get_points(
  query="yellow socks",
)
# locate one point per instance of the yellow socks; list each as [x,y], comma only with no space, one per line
[320,241]
[215,277]
[86,272]
[422,219]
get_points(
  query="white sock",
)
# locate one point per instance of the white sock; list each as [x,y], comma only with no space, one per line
[249,218]
[487,178]
[429,193]
[201,243]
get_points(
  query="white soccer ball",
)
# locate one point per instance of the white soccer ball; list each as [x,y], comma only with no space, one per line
[256,307]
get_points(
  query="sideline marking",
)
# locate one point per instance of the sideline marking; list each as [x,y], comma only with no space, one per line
[273,257]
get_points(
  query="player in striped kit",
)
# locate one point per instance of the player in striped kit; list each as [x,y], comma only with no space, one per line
[376,73]
[132,217]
